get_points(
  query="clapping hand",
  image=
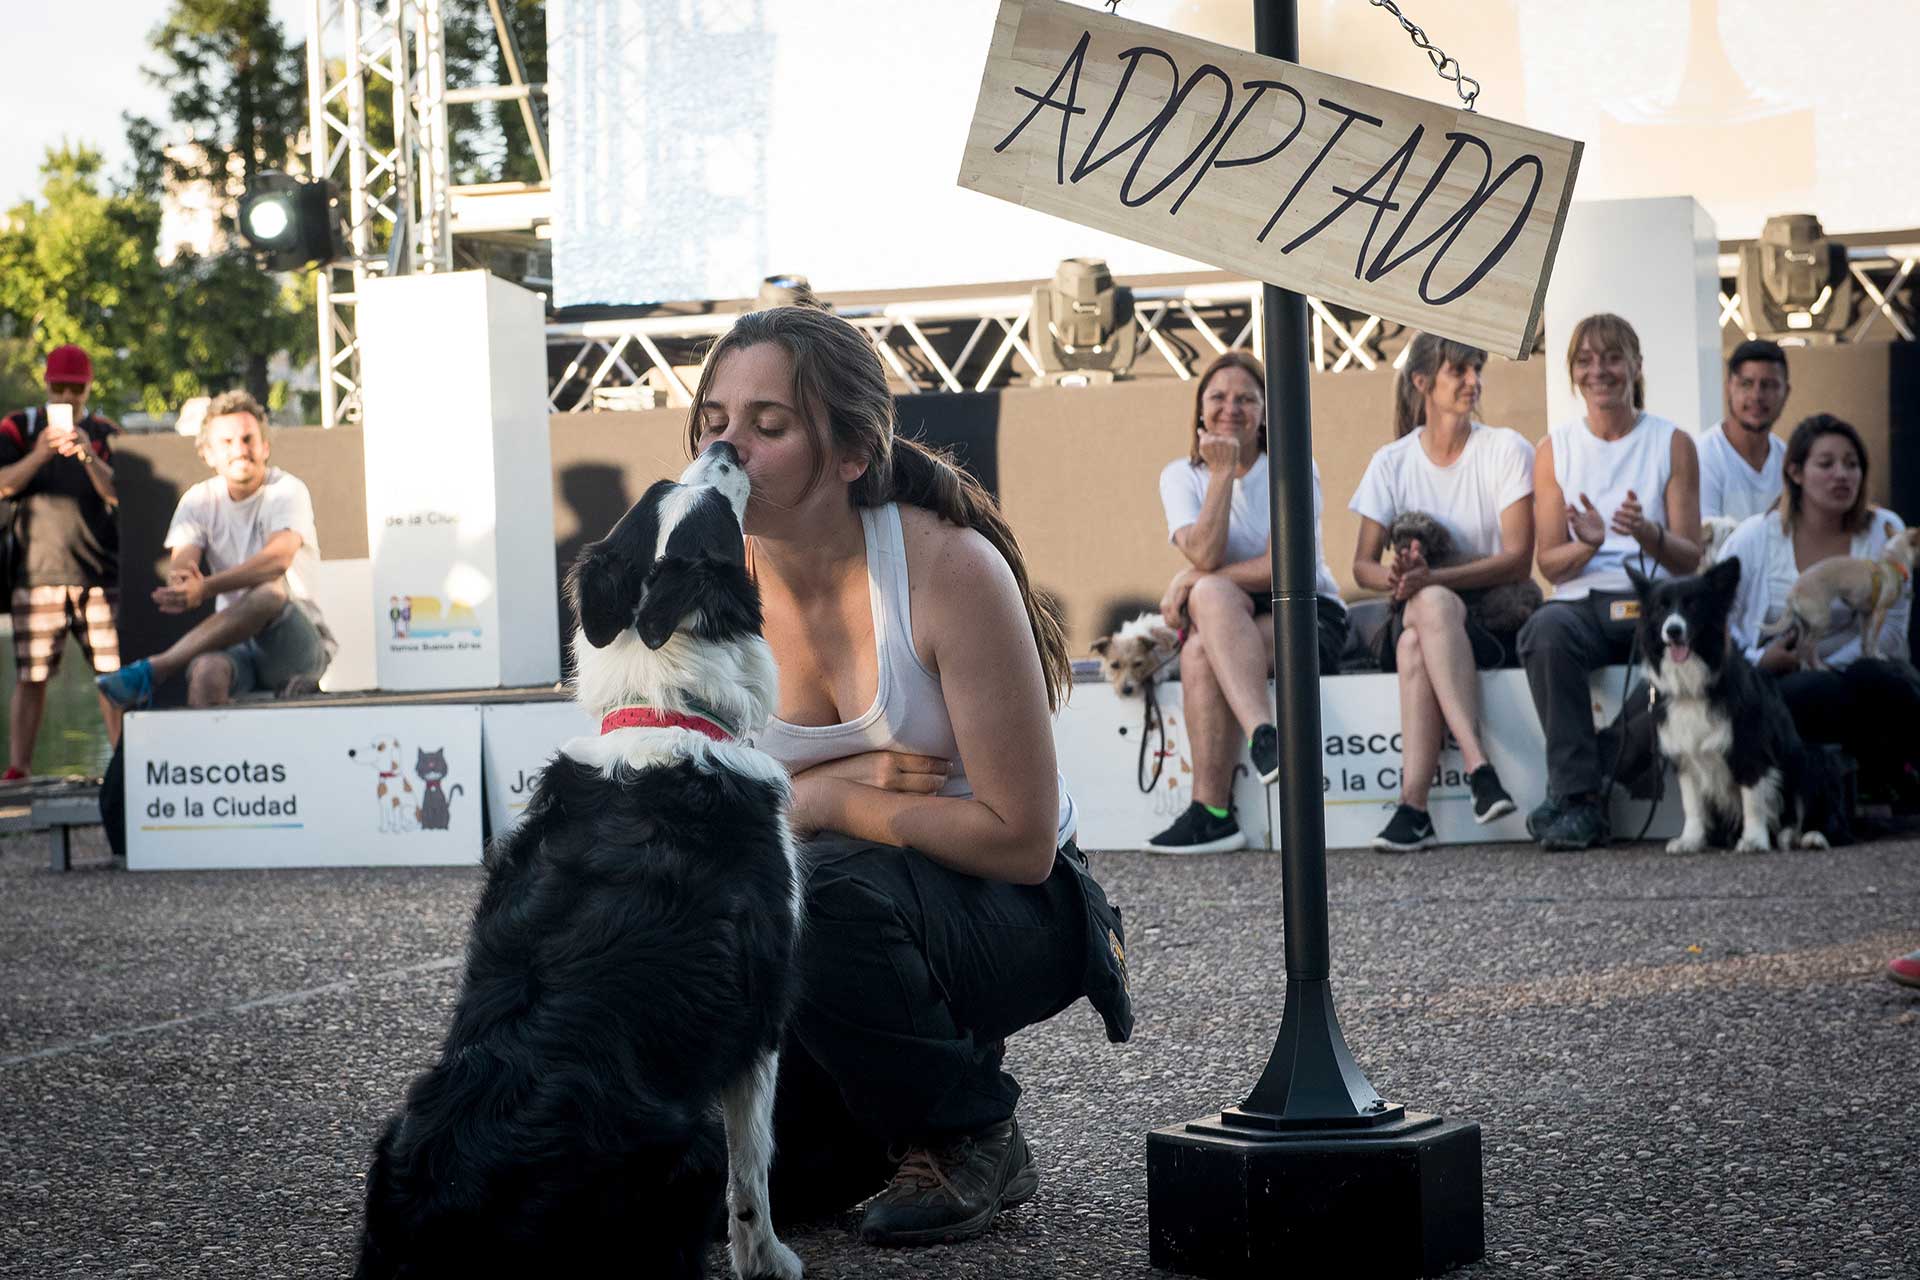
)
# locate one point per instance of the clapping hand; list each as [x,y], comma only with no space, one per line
[1409,573]
[1219,451]
[1586,524]
[186,590]
[1632,521]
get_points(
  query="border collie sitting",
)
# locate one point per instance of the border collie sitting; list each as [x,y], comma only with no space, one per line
[1743,768]
[629,967]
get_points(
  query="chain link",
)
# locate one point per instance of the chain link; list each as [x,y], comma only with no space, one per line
[1445,67]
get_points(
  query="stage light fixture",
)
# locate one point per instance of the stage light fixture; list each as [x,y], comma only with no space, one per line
[1794,283]
[1082,329]
[291,222]
[787,290]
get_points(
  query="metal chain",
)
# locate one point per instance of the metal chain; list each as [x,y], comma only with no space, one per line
[1447,68]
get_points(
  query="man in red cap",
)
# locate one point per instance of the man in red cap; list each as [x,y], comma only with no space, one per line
[56,472]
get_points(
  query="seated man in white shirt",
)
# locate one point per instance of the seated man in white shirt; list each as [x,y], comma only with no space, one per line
[244,538]
[1740,457]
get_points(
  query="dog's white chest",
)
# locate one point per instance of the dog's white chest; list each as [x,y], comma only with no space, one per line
[1699,741]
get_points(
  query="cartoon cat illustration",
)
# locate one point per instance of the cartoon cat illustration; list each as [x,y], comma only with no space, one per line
[431,768]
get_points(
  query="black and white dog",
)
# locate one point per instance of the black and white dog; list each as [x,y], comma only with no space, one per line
[1746,778]
[629,969]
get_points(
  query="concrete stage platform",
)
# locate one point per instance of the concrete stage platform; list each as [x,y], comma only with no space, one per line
[1688,1067]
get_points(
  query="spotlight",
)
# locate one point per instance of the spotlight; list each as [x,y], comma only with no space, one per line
[1083,329]
[1794,281]
[291,222]
[786,290]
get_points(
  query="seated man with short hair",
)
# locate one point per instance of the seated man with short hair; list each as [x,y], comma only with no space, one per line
[252,525]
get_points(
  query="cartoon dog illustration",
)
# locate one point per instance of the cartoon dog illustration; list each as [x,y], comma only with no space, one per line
[394,794]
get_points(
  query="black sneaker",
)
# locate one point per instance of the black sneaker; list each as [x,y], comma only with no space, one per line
[1409,830]
[945,1194]
[1581,825]
[1490,799]
[1265,750]
[1197,831]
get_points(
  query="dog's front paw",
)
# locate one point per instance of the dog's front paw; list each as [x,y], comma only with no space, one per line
[1687,842]
[1752,843]
[765,1258]
[1814,840]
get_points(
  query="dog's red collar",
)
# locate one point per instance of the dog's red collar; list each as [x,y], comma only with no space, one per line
[394,774]
[655,718]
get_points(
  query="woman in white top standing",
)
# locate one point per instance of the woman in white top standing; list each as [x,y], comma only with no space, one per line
[1824,513]
[1216,501]
[1614,485]
[946,904]
[1476,482]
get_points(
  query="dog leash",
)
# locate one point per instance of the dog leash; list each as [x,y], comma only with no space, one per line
[1153,724]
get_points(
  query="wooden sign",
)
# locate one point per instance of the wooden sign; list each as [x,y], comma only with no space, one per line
[1438,218]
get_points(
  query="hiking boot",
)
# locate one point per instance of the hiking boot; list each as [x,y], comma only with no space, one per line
[1409,829]
[129,687]
[1264,747]
[1490,799]
[1544,815]
[1197,831]
[945,1194]
[1581,825]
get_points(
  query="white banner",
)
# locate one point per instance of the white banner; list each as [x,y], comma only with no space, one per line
[519,739]
[303,787]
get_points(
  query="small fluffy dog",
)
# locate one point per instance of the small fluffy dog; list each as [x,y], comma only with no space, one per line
[1742,765]
[1714,532]
[1502,609]
[1142,652]
[1870,588]
[629,970]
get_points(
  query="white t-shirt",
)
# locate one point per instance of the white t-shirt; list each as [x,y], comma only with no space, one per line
[1768,572]
[1493,471]
[1728,485]
[1183,488]
[234,532]
[1604,470]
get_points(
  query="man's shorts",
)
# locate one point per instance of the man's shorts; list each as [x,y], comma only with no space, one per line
[42,619]
[294,644]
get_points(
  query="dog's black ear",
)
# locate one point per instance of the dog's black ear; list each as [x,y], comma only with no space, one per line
[667,598]
[604,593]
[1724,578]
[1101,645]
[1641,583]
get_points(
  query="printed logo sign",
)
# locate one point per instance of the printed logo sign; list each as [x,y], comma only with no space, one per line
[307,787]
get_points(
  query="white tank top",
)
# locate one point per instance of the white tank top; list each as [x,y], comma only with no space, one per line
[909,711]
[1641,460]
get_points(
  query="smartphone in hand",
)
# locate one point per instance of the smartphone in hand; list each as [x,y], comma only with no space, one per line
[60,417]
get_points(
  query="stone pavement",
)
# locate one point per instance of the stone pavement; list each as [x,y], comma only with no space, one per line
[1688,1067]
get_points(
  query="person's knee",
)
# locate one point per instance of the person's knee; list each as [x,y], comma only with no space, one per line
[1435,607]
[1540,634]
[1408,657]
[1196,660]
[263,603]
[209,680]
[1214,594]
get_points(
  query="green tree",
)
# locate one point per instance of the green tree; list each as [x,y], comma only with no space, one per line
[237,95]
[488,140]
[78,266]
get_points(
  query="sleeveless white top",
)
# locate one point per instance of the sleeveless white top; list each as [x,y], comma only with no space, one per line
[909,711]
[1641,460]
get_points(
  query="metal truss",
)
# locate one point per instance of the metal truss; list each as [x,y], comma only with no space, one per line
[377,99]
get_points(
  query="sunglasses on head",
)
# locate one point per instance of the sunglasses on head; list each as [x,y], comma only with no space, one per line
[66,388]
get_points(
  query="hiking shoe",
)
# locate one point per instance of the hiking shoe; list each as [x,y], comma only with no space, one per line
[1490,799]
[1409,829]
[1264,747]
[1905,969]
[1544,815]
[945,1194]
[1197,831]
[1581,825]
[130,686]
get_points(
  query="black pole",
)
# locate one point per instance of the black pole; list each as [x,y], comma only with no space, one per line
[1314,1173]
[1311,1078]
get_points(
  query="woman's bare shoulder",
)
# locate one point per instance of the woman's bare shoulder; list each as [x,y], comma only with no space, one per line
[954,555]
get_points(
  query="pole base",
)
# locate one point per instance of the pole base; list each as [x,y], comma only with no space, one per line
[1403,1200]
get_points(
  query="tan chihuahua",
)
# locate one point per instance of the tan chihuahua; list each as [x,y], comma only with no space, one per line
[1868,587]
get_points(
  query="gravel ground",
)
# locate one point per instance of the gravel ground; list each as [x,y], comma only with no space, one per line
[1686,1067]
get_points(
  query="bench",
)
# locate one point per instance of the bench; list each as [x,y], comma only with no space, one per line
[55,807]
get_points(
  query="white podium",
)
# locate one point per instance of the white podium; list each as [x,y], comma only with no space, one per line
[459,482]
